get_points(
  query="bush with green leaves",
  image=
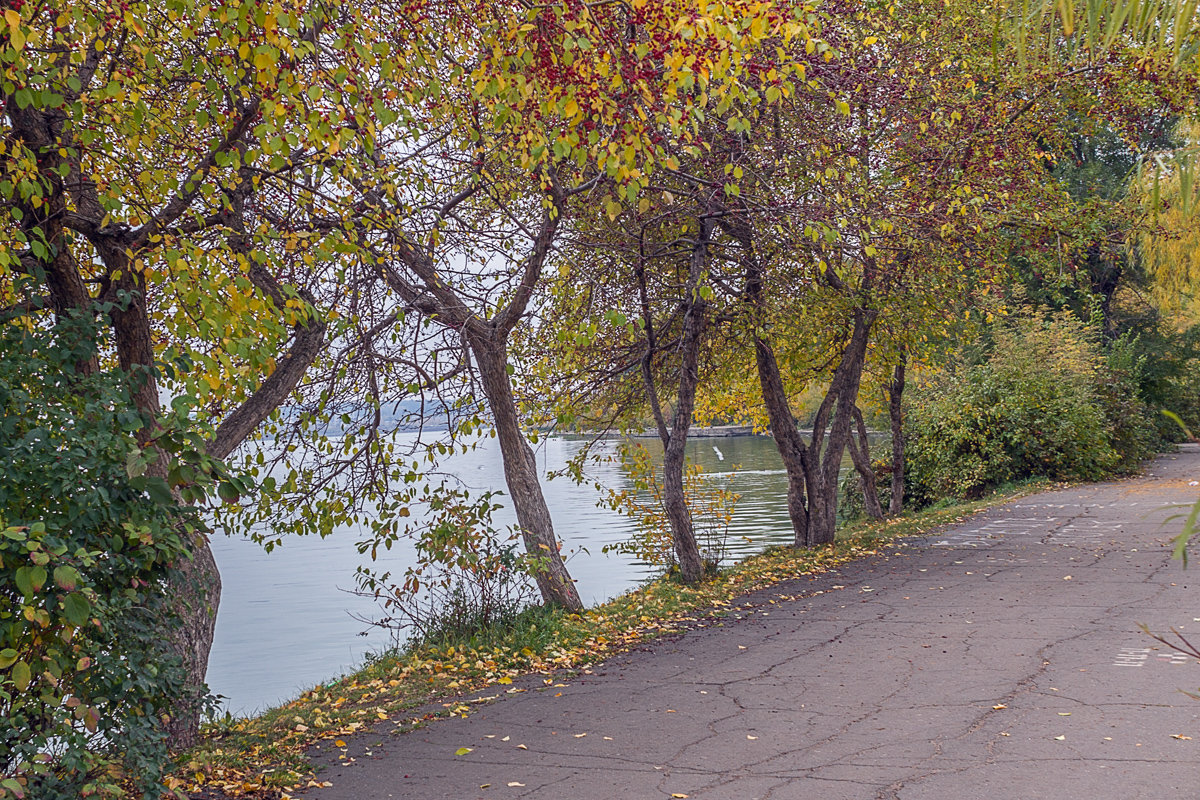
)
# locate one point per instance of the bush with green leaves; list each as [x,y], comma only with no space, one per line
[87,540]
[1043,400]
[467,576]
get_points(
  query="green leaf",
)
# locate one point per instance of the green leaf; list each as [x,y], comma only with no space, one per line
[462,751]
[21,676]
[22,579]
[66,578]
[76,608]
[228,492]
[37,577]
[159,491]
[7,657]
[135,464]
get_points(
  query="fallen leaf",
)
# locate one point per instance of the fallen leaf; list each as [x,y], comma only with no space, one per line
[1179,736]
[1067,578]
[1060,738]
[580,735]
[505,739]
[462,751]
[484,785]
[522,747]
[340,743]
[1064,713]
[515,783]
[748,736]
[678,794]
[998,706]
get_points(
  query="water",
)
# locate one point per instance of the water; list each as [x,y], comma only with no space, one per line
[287,620]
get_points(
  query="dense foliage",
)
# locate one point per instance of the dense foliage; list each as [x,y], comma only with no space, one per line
[87,540]
[1041,400]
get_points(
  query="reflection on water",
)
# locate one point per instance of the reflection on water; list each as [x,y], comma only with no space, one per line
[286,621]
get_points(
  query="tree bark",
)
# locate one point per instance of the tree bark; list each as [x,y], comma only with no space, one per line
[521,475]
[787,438]
[679,516]
[896,412]
[840,401]
[792,450]
[860,454]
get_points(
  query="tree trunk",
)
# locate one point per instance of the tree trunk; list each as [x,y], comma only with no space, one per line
[841,398]
[895,409]
[195,592]
[787,439]
[860,454]
[679,516]
[521,475]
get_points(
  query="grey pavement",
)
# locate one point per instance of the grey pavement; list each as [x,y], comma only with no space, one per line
[999,658]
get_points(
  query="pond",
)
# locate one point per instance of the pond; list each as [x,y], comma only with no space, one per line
[288,621]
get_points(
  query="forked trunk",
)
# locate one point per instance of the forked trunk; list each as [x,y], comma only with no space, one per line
[842,397]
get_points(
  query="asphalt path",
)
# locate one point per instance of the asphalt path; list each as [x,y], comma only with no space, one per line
[998,658]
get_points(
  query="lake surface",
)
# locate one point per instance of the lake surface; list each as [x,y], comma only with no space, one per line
[287,620]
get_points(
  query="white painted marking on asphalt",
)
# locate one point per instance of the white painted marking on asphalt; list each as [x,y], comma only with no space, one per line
[1131,657]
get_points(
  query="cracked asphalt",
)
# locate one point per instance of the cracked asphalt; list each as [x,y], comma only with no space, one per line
[999,658]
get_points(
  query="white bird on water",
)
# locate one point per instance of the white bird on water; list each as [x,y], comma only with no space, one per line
[720,455]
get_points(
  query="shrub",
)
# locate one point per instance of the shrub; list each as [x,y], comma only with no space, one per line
[85,547]
[467,576]
[1042,401]
[710,503]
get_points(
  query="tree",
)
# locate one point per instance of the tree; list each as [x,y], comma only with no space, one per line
[556,106]
[87,547]
[160,167]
